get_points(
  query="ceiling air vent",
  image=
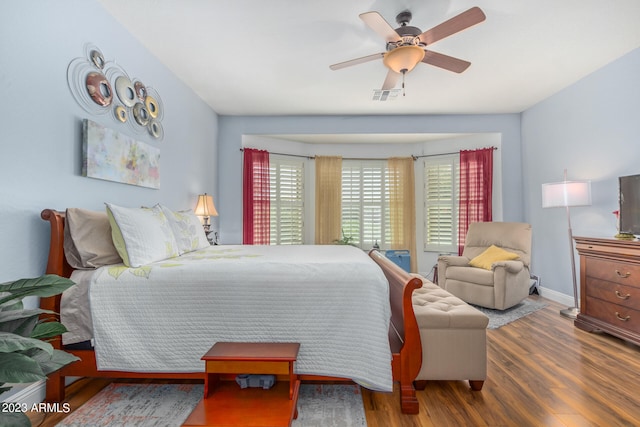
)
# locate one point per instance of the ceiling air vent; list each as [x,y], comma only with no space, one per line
[385,95]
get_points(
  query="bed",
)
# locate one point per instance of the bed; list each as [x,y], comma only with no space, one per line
[351,328]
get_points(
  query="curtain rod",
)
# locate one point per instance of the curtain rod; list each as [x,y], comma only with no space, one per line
[444,154]
[290,155]
[367,158]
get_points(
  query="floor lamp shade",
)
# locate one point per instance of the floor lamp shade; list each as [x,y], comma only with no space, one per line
[566,193]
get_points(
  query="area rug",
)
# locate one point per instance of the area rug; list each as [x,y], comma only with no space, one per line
[167,405]
[498,318]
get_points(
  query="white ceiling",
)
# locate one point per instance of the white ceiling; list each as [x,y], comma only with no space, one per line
[257,57]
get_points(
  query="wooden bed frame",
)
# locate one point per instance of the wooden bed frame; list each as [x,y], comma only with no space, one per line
[404,335]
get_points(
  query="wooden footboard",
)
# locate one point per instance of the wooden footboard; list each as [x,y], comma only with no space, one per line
[403,334]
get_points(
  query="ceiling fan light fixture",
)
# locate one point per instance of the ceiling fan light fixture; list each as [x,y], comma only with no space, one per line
[404,58]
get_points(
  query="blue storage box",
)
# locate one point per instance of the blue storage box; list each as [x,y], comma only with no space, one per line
[400,257]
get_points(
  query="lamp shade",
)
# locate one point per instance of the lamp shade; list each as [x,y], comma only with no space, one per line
[205,206]
[566,193]
[403,58]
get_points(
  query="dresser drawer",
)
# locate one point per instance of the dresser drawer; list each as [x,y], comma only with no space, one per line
[614,271]
[614,314]
[627,296]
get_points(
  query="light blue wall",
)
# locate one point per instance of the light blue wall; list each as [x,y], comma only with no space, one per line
[232,128]
[592,129]
[40,131]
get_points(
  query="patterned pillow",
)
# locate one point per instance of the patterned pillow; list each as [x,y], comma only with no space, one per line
[141,235]
[187,229]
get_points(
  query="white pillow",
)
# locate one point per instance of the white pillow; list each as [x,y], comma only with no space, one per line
[187,229]
[141,235]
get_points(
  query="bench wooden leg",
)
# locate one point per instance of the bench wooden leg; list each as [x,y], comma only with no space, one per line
[420,384]
[476,385]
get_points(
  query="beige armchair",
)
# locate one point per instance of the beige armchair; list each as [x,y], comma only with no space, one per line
[507,283]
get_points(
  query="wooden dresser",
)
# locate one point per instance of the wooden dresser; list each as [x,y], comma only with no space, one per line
[609,287]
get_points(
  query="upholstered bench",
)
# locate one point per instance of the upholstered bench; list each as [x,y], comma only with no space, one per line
[453,335]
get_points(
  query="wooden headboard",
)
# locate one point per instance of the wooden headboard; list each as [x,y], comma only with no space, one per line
[56,263]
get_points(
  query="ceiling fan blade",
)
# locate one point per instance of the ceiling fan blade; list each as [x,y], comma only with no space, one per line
[391,80]
[447,62]
[378,24]
[356,61]
[460,22]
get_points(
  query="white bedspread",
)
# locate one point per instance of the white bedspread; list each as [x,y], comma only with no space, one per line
[333,300]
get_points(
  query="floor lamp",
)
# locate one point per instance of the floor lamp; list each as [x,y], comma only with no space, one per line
[566,194]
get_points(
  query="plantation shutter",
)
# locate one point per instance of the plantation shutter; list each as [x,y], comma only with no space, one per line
[365,202]
[440,199]
[287,201]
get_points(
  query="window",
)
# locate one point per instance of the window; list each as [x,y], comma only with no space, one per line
[287,200]
[441,176]
[365,202]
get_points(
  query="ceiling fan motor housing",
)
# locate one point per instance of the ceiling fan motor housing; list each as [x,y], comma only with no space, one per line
[408,34]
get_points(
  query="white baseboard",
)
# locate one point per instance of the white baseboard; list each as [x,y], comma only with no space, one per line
[556,296]
[30,394]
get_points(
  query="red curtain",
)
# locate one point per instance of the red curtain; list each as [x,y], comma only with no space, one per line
[255,198]
[476,182]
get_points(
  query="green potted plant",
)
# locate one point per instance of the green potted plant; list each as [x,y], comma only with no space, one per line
[25,354]
[346,240]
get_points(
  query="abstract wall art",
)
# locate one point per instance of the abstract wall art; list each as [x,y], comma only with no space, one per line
[113,156]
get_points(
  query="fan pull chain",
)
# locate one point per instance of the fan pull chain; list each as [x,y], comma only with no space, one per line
[403,74]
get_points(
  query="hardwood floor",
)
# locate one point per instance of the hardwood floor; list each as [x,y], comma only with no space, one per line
[542,371]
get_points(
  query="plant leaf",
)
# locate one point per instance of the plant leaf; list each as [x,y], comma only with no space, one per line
[11,306]
[44,286]
[20,322]
[14,419]
[48,330]
[59,360]
[18,368]
[11,342]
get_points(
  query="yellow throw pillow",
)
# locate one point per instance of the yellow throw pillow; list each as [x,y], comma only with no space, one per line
[490,255]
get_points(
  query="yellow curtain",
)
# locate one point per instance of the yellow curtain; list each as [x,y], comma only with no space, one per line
[402,205]
[328,199]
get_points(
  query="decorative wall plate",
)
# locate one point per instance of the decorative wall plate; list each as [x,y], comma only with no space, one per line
[99,88]
[141,90]
[152,106]
[141,114]
[97,58]
[121,113]
[125,90]
[155,129]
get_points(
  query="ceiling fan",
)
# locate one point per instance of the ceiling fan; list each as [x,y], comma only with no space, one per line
[406,45]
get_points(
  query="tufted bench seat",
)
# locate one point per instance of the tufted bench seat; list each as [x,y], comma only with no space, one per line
[453,335]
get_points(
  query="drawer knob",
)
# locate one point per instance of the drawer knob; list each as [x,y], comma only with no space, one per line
[623,319]
[623,275]
[619,295]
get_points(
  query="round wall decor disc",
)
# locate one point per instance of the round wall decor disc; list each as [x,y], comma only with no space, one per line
[99,88]
[152,106]
[121,113]
[141,114]
[125,90]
